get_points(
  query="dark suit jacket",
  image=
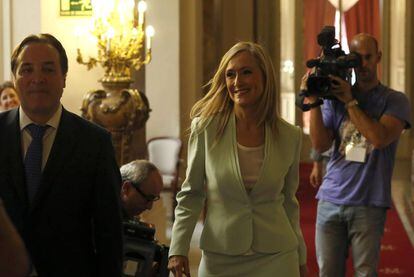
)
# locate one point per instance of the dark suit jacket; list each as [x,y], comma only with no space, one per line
[73,227]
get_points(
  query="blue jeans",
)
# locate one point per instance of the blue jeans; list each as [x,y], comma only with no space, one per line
[339,227]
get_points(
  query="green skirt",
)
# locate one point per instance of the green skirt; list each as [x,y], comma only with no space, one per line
[255,265]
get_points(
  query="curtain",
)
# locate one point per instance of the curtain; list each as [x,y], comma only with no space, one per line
[364,17]
[317,14]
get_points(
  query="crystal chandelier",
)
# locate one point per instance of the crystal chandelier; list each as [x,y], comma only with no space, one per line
[118,26]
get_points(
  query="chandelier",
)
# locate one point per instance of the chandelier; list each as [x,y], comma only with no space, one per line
[123,45]
[118,27]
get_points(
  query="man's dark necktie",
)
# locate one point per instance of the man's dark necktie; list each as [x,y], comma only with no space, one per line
[33,159]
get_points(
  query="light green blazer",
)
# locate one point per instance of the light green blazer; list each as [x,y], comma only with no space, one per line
[266,221]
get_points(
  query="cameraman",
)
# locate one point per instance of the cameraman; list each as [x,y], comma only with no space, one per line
[141,186]
[365,125]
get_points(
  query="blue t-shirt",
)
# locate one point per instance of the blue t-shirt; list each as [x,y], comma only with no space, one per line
[355,183]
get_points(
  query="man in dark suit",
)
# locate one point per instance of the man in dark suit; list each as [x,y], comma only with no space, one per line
[68,213]
[13,256]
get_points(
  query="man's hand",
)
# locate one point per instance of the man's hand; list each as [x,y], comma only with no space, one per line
[315,177]
[341,89]
[179,265]
[304,87]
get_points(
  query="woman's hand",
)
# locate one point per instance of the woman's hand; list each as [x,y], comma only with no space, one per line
[179,265]
[303,270]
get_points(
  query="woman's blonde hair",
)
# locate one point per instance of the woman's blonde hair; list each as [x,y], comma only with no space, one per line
[217,101]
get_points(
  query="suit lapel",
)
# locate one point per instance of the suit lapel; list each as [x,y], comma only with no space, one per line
[230,139]
[61,149]
[277,160]
[14,158]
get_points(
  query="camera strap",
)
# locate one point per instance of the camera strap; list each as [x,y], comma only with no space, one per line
[299,102]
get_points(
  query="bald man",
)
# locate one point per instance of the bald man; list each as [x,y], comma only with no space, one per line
[364,124]
[141,186]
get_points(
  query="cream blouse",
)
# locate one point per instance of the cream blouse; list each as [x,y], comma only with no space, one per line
[250,161]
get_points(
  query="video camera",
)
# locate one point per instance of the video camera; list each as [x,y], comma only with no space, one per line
[333,61]
[143,256]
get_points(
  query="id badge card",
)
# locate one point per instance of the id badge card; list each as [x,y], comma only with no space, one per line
[355,153]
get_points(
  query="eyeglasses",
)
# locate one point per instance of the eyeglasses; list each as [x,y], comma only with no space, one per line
[148,197]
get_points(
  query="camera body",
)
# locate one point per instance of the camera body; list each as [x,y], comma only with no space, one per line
[143,256]
[333,61]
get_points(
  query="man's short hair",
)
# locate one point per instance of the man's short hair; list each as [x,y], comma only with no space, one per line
[137,171]
[41,38]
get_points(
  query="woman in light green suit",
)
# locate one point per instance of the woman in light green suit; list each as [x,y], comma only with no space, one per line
[244,159]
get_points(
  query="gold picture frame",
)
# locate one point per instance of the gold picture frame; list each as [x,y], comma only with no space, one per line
[75,8]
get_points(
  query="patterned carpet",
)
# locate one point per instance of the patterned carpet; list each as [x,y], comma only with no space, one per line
[396,250]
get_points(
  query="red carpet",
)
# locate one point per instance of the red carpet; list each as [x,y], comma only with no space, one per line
[397,254]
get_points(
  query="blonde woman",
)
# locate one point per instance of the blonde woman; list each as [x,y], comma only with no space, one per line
[243,158]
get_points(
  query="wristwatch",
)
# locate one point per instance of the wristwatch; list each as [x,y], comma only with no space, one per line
[351,103]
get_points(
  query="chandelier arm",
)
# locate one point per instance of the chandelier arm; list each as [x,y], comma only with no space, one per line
[120,43]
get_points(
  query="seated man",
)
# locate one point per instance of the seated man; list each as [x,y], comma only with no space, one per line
[141,186]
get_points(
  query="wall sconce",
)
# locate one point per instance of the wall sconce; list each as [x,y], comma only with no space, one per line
[118,26]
